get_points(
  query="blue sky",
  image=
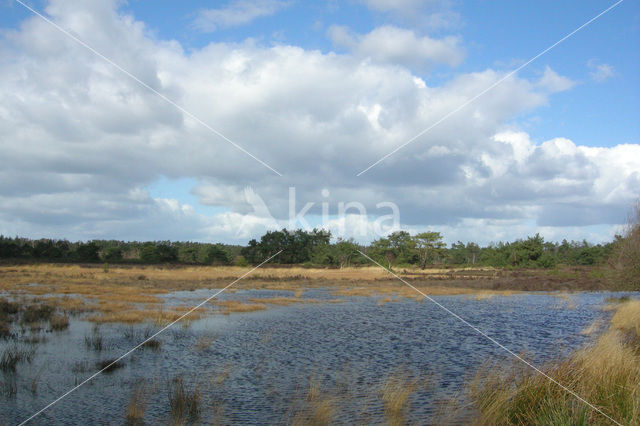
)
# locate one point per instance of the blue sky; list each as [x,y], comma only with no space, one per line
[585,91]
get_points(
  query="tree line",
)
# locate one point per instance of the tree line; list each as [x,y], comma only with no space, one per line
[315,248]
[113,251]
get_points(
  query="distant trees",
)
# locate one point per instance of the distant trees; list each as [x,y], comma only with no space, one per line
[111,251]
[427,248]
[315,248]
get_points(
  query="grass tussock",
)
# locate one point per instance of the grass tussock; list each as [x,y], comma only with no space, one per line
[95,340]
[395,394]
[14,355]
[152,344]
[320,408]
[35,313]
[109,365]
[137,405]
[58,322]
[8,308]
[607,374]
[183,402]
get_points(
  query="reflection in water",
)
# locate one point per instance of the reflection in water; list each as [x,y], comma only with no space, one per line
[347,361]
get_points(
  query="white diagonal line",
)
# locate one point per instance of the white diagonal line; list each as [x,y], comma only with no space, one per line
[179,107]
[145,341]
[491,339]
[468,101]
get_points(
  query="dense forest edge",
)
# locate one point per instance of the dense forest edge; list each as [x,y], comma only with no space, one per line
[313,248]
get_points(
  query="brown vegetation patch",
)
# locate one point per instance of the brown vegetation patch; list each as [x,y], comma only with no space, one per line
[228,306]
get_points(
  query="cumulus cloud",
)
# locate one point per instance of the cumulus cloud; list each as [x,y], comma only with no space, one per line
[81,141]
[394,45]
[554,82]
[235,13]
[600,72]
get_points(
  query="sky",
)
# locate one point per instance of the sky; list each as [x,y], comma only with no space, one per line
[219,121]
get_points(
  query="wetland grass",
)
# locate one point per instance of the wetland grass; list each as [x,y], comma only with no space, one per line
[13,355]
[137,405]
[607,374]
[319,406]
[395,397]
[95,340]
[183,402]
[58,322]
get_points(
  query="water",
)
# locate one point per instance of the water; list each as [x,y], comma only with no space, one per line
[258,366]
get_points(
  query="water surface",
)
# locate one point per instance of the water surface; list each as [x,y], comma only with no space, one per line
[258,366]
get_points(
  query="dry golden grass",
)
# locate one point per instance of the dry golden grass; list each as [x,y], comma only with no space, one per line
[87,279]
[395,394]
[128,314]
[228,306]
[607,374]
[137,405]
[627,318]
[320,408]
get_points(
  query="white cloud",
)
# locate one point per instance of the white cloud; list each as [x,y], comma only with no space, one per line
[394,45]
[235,13]
[600,72]
[554,82]
[80,141]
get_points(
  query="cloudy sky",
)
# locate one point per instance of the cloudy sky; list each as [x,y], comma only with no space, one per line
[138,136]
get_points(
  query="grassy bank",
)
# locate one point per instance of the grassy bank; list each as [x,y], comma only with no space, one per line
[606,374]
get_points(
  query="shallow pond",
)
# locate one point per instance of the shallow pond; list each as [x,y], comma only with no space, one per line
[258,367]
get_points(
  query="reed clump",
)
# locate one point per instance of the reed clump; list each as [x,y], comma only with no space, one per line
[184,403]
[13,355]
[95,340]
[109,365]
[319,408]
[606,374]
[58,322]
[37,313]
[395,394]
[137,405]
[152,344]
